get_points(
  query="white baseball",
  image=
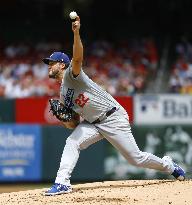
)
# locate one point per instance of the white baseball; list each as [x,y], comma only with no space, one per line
[73,15]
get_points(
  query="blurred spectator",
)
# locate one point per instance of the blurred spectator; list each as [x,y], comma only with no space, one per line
[121,68]
[181,76]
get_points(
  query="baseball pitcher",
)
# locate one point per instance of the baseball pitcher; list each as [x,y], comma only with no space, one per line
[103,117]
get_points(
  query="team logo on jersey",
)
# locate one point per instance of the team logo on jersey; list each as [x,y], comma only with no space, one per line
[69,98]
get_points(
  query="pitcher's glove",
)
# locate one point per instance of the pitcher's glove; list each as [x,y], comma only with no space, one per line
[60,111]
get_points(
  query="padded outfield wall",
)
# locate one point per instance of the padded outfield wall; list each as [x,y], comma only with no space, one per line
[32,141]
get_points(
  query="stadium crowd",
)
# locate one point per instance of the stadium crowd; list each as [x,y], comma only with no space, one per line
[122,68]
[181,73]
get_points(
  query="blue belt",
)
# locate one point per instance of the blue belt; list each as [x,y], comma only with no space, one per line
[108,113]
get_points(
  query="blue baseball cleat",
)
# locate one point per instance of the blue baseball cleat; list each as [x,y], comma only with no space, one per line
[178,173]
[58,189]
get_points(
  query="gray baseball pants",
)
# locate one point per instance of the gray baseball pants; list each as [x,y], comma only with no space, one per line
[116,129]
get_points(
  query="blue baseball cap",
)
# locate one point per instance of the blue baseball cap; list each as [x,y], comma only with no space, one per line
[57,57]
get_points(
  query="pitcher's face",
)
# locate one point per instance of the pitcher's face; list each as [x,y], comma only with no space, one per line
[54,69]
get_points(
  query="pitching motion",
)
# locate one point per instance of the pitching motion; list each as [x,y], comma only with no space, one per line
[103,118]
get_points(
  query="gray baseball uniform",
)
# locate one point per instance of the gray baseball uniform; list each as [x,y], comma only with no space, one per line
[85,97]
[90,101]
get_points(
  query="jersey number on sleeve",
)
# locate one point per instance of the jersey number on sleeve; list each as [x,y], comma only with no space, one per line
[81,100]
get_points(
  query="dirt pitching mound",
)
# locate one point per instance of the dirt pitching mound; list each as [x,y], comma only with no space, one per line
[142,192]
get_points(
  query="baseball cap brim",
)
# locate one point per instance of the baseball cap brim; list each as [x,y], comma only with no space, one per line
[47,60]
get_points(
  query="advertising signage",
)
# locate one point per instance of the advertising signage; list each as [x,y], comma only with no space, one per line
[20,152]
[163,109]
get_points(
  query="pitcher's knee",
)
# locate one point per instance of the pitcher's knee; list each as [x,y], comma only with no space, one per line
[138,159]
[72,143]
[76,144]
[83,145]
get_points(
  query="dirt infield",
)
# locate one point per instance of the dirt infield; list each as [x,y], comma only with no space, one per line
[138,192]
